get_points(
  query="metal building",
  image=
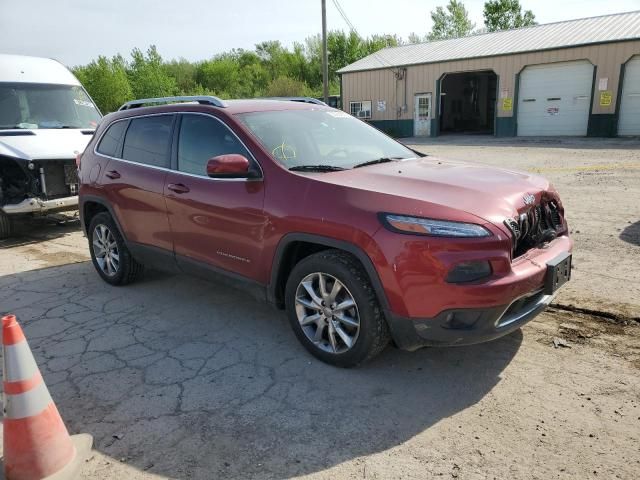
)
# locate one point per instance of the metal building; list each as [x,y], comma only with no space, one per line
[578,77]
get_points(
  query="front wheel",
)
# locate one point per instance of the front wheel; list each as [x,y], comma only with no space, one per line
[333,309]
[109,254]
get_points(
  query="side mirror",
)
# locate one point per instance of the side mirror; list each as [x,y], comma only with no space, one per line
[231,165]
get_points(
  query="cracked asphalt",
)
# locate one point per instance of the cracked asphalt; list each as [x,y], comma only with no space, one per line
[180,378]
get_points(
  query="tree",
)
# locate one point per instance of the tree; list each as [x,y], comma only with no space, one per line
[450,23]
[415,38]
[184,74]
[106,81]
[506,14]
[147,76]
[287,87]
[269,69]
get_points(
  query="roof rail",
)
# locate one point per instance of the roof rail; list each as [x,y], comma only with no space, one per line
[298,99]
[203,100]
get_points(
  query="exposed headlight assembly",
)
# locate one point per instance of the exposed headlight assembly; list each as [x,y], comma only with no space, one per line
[436,228]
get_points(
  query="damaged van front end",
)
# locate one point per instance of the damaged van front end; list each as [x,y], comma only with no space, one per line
[38,172]
[46,120]
[37,186]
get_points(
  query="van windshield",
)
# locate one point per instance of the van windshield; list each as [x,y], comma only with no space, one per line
[36,105]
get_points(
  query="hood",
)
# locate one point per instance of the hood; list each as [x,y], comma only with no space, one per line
[492,194]
[41,144]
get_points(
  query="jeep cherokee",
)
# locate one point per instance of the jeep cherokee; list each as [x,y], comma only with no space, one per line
[359,238]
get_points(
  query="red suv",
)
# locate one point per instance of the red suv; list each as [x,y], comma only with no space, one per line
[359,238]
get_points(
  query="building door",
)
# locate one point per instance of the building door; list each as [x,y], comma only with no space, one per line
[555,99]
[629,123]
[422,115]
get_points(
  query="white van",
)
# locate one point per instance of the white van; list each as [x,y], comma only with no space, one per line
[46,119]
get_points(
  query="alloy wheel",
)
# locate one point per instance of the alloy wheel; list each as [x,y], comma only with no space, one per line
[105,250]
[327,312]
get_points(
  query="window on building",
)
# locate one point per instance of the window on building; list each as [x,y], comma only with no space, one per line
[361,109]
[424,108]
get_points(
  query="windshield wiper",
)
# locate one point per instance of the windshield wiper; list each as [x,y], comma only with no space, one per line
[316,168]
[378,160]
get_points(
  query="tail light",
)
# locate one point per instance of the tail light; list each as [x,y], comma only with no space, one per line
[78,160]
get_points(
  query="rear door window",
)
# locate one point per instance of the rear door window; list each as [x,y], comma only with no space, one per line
[201,138]
[147,140]
[111,139]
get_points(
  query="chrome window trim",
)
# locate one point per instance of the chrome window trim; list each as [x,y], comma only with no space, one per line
[95,148]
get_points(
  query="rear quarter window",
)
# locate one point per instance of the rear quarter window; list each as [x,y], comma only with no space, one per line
[147,140]
[111,139]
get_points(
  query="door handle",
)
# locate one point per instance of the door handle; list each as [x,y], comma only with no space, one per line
[178,188]
[113,174]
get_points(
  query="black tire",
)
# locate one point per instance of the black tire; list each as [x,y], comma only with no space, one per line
[5,225]
[128,268]
[373,335]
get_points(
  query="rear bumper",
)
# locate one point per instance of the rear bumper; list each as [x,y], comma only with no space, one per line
[36,205]
[467,326]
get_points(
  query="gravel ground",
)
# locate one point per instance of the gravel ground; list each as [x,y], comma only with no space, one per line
[179,378]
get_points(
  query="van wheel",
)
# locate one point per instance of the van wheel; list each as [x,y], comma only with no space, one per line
[5,225]
[333,309]
[109,254]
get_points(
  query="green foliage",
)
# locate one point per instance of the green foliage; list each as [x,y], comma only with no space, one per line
[415,38]
[506,14]
[450,23]
[269,70]
[147,76]
[107,82]
[288,87]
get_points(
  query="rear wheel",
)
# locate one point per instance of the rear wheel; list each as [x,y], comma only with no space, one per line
[5,225]
[333,309]
[109,254]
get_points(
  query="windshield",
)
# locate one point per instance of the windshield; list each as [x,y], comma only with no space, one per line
[35,105]
[326,138]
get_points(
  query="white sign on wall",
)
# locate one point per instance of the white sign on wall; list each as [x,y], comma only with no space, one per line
[382,105]
[603,83]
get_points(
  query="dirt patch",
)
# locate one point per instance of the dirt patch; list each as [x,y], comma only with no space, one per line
[619,337]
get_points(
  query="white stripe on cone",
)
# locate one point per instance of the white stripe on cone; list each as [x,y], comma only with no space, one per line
[19,362]
[27,404]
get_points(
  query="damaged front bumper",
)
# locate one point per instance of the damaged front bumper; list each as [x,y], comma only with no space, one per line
[39,206]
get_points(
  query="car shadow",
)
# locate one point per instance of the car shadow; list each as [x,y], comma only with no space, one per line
[631,234]
[189,379]
[32,230]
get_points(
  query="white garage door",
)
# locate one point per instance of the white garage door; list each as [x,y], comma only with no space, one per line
[629,121]
[554,99]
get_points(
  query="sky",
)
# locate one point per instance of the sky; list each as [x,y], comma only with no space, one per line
[77,31]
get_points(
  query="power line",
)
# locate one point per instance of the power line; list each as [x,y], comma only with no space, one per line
[345,18]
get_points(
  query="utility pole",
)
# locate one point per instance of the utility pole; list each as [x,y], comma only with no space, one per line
[325,54]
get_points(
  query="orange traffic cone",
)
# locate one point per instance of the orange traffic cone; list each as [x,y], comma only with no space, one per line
[36,442]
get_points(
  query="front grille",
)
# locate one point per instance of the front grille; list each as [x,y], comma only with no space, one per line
[537,225]
[60,177]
